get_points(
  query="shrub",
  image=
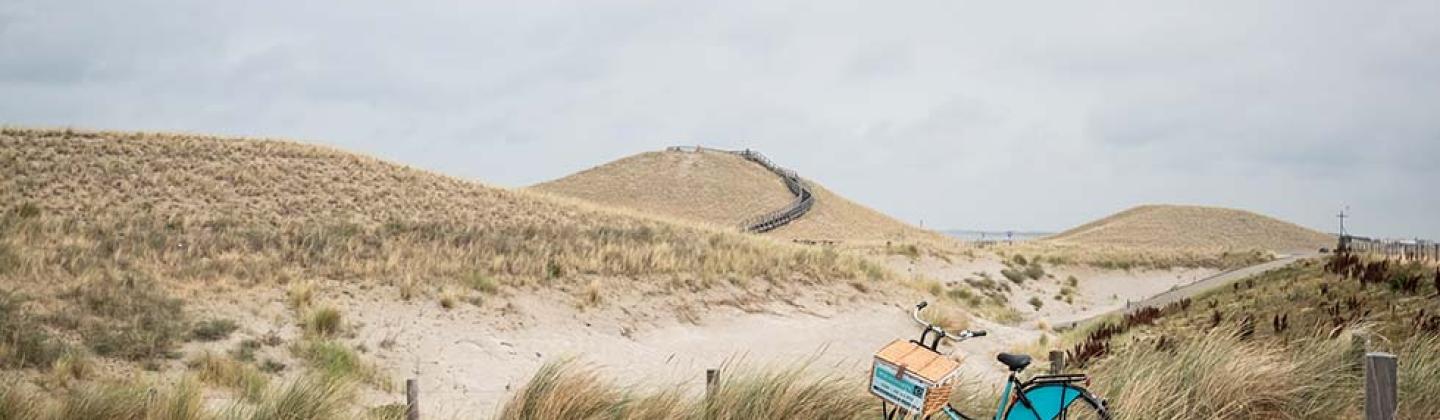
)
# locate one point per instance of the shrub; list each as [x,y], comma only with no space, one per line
[1072,281]
[1036,302]
[8,260]
[23,341]
[213,329]
[335,360]
[1015,276]
[945,316]
[909,250]
[1035,271]
[231,374]
[272,366]
[482,283]
[300,294]
[73,364]
[324,322]
[16,403]
[960,293]
[245,350]
[129,318]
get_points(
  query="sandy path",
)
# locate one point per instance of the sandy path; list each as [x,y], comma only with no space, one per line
[1197,287]
[1099,291]
[467,368]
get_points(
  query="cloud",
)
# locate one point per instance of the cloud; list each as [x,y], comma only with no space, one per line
[965,114]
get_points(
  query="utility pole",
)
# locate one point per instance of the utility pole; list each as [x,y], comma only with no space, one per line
[1344,240]
[1342,217]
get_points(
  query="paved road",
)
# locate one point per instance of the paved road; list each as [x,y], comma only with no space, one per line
[1203,285]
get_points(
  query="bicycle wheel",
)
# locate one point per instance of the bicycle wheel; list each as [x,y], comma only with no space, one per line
[1083,406]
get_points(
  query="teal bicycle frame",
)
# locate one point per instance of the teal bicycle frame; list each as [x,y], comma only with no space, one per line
[1042,401]
[1043,397]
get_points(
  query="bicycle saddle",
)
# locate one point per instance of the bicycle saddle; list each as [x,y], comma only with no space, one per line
[1016,362]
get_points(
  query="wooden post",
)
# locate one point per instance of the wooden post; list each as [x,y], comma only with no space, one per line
[1057,362]
[1380,401]
[412,399]
[712,380]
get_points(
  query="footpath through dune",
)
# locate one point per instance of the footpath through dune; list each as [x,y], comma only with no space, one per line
[466,367]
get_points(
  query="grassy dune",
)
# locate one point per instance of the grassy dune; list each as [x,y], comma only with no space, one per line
[723,189]
[713,187]
[1194,227]
[110,243]
[197,207]
[1165,236]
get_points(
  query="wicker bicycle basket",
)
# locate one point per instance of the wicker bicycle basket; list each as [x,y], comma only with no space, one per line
[913,377]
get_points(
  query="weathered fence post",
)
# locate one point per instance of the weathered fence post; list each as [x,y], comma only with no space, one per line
[1380,399]
[1057,362]
[712,381]
[412,399]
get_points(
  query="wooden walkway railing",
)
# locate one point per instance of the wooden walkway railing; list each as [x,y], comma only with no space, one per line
[1404,250]
[804,198]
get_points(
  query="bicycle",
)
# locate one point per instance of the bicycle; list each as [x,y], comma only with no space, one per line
[922,391]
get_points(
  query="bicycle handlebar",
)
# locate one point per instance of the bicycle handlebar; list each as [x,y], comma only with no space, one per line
[961,336]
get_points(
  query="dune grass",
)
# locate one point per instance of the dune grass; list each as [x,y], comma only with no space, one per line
[1285,344]
[196,208]
[567,390]
[229,373]
[1124,257]
[309,397]
[323,322]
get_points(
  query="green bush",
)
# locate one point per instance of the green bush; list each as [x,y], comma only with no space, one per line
[1015,276]
[1035,271]
[336,361]
[1036,302]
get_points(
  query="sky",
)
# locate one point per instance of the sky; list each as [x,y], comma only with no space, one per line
[955,114]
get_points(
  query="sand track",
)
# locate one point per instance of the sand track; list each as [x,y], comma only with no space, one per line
[468,365]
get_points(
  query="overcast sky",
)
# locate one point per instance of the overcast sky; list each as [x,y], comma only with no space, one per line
[963,114]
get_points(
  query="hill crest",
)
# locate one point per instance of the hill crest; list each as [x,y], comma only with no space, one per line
[724,189]
[1191,227]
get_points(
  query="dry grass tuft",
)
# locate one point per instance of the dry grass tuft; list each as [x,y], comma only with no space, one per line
[300,294]
[310,397]
[17,403]
[323,322]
